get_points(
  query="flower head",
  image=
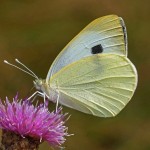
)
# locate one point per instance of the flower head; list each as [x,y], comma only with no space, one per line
[22,117]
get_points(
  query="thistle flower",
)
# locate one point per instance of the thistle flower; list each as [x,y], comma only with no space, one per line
[24,119]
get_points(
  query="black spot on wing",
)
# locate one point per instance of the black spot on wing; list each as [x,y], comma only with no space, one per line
[97,49]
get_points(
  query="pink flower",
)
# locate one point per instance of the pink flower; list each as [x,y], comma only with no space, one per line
[22,117]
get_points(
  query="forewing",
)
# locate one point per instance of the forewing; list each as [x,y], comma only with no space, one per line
[108,33]
[100,85]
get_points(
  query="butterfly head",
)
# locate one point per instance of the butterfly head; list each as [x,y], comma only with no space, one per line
[38,83]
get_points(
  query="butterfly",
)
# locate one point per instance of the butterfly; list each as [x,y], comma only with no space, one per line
[92,74]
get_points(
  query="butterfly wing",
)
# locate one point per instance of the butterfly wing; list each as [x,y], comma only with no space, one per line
[108,33]
[101,84]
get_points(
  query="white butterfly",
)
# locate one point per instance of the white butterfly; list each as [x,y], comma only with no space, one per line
[92,73]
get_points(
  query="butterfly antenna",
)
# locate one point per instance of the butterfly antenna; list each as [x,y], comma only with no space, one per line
[30,73]
[19,62]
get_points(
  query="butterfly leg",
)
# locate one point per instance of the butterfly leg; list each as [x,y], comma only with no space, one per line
[36,97]
[57,101]
[44,94]
[35,94]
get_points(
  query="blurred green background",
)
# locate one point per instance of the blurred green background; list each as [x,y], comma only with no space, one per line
[35,31]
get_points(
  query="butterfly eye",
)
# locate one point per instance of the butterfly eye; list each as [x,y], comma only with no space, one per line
[97,49]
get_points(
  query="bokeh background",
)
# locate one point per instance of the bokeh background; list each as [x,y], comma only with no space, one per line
[35,31]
